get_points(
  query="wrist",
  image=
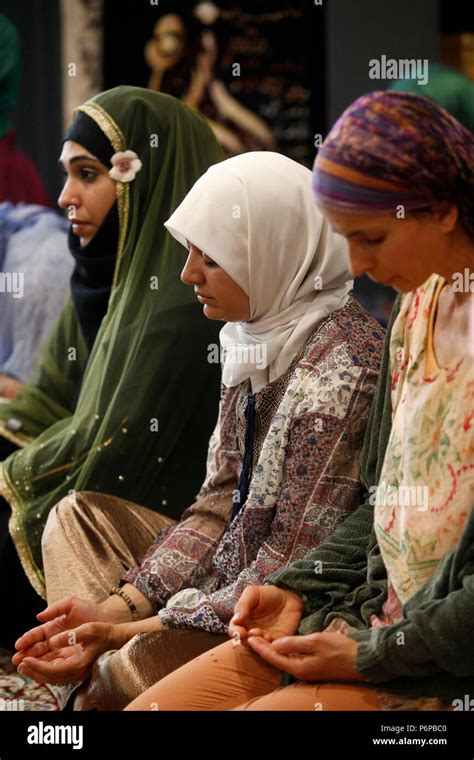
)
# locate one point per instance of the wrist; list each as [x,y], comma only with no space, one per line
[118,610]
[296,598]
[141,602]
[351,649]
[123,632]
[115,610]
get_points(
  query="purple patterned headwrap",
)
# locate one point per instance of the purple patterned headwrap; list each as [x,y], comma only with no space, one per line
[395,148]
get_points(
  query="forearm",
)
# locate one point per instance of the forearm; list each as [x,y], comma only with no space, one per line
[123,632]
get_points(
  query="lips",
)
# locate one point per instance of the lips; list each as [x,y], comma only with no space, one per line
[203,295]
[81,229]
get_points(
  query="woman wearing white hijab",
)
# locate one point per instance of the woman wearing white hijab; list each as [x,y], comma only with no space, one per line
[299,367]
[259,203]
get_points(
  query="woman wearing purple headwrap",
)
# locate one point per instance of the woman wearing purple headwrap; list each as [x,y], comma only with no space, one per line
[395,176]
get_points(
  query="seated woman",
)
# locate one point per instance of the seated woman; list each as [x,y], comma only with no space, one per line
[35,268]
[379,616]
[109,406]
[299,367]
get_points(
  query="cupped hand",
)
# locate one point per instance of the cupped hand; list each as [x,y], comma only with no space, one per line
[71,654]
[266,611]
[56,618]
[315,657]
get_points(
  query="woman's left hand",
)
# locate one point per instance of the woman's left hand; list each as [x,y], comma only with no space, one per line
[316,657]
[70,655]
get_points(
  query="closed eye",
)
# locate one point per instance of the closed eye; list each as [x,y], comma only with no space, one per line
[374,241]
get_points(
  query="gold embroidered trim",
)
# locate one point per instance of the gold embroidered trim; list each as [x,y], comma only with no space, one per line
[20,439]
[123,202]
[113,132]
[85,454]
[35,575]
[10,494]
[108,126]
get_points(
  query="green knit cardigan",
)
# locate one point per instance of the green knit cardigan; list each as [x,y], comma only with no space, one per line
[430,652]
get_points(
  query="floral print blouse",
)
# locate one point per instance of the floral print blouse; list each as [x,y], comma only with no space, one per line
[309,430]
[426,487]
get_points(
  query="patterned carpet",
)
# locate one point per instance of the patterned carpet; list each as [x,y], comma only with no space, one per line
[20,693]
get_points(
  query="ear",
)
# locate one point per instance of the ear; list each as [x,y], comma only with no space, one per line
[447,215]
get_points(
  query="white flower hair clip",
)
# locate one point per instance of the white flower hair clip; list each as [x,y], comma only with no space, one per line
[125,165]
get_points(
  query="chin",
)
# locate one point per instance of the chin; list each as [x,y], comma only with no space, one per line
[210,312]
[86,240]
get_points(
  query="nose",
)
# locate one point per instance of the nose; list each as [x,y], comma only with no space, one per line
[68,196]
[192,273]
[359,264]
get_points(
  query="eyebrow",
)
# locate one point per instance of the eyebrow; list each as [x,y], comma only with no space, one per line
[74,160]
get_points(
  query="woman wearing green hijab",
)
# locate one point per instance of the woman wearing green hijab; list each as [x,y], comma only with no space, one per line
[123,399]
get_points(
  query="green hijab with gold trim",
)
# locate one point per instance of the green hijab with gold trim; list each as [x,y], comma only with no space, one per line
[147,398]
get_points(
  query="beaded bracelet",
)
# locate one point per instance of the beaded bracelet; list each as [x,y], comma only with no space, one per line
[132,607]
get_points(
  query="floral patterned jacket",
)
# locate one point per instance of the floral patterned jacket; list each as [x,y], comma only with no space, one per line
[310,426]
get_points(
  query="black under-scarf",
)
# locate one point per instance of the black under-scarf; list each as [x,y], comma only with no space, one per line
[92,277]
[91,280]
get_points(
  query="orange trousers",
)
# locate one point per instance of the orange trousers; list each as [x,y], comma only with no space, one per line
[230,677]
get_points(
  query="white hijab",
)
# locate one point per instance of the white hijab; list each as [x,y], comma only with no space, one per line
[255,216]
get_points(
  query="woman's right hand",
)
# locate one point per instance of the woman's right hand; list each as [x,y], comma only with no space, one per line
[61,616]
[267,611]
